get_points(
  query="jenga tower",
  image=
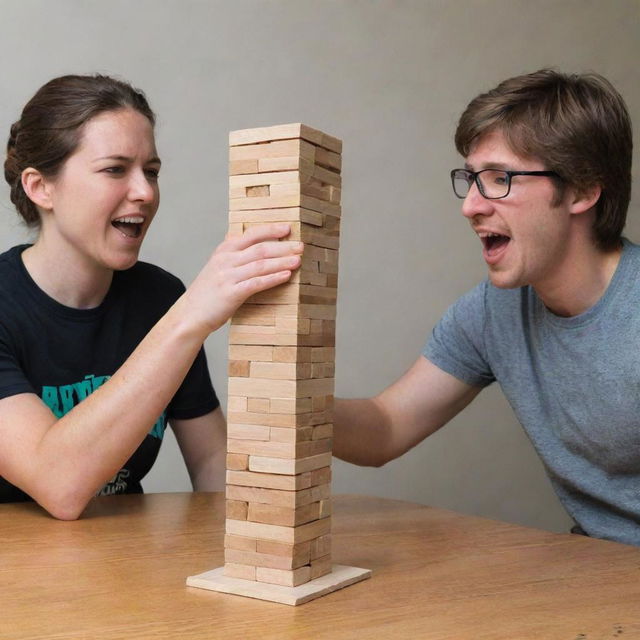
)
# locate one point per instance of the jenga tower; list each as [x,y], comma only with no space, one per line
[281,373]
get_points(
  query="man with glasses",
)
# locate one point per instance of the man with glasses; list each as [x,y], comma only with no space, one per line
[545,186]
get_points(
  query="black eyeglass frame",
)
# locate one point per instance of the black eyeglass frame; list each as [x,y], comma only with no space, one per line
[474,175]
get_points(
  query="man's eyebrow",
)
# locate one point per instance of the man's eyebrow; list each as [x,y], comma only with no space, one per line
[128,159]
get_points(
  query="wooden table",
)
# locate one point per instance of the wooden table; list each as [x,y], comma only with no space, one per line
[120,571]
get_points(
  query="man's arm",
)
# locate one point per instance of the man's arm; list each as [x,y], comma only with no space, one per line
[203,443]
[373,431]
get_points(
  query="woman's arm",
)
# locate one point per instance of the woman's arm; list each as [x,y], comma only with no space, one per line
[61,463]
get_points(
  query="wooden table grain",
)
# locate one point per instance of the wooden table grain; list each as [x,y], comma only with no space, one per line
[119,573]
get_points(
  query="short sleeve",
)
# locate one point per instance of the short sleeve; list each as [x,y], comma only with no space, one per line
[456,344]
[12,378]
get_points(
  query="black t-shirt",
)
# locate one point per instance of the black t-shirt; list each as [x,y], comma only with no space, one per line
[63,354]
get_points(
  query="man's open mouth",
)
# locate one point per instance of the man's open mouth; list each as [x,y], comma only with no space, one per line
[493,242]
[130,226]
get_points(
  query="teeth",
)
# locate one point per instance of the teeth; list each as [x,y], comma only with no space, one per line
[483,234]
[131,219]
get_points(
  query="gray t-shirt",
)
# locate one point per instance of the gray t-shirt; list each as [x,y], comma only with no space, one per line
[574,384]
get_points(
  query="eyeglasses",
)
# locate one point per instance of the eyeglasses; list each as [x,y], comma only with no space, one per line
[492,183]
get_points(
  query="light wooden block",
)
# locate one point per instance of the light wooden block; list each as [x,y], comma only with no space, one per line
[251,352]
[239,571]
[236,509]
[288,214]
[254,559]
[280,149]
[283,466]
[284,578]
[251,544]
[340,576]
[291,535]
[237,462]
[237,431]
[271,480]
[286,516]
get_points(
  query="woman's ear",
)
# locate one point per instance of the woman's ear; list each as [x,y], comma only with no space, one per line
[583,200]
[37,188]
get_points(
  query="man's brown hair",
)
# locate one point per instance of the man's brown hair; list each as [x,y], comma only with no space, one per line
[576,124]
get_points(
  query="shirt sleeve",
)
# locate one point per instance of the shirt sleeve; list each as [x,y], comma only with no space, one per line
[456,344]
[12,377]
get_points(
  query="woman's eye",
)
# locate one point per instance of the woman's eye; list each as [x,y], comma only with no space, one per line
[114,170]
[152,174]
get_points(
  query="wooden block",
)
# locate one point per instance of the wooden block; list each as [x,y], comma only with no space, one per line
[326,354]
[291,535]
[331,143]
[319,567]
[235,229]
[258,405]
[263,449]
[267,388]
[318,493]
[320,476]
[279,149]
[239,431]
[322,431]
[290,406]
[291,354]
[285,516]
[282,466]
[281,370]
[242,571]
[237,462]
[256,191]
[271,202]
[287,214]
[255,314]
[310,448]
[243,166]
[302,550]
[239,368]
[250,352]
[288,163]
[267,496]
[236,509]
[275,177]
[288,420]
[328,159]
[246,544]
[236,403]
[270,481]
[327,176]
[318,547]
[284,578]
[293,324]
[280,132]
[286,434]
[269,561]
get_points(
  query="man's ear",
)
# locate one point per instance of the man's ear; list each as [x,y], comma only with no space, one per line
[37,188]
[583,200]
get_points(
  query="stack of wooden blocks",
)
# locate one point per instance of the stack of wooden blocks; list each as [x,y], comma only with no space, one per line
[281,377]
[281,362]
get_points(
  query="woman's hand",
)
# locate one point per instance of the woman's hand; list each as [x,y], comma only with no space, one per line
[239,267]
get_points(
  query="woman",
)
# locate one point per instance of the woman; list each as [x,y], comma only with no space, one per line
[97,349]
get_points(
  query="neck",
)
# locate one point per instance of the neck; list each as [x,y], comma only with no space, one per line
[69,281]
[584,277]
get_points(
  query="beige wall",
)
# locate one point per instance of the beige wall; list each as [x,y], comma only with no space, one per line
[390,77]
